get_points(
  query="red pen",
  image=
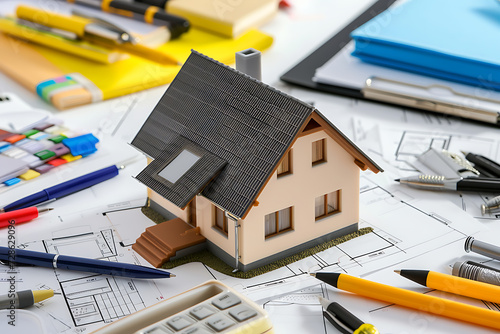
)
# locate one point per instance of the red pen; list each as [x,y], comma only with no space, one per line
[20,216]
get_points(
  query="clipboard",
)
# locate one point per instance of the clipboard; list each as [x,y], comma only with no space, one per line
[389,91]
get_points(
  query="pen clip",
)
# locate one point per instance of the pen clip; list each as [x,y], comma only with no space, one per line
[43,28]
[122,35]
[342,327]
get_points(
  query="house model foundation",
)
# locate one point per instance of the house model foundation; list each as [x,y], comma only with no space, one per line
[243,169]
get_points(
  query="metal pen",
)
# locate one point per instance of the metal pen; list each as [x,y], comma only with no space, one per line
[436,182]
[492,205]
[483,248]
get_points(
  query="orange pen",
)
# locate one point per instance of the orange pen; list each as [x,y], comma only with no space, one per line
[412,299]
[458,285]
[20,216]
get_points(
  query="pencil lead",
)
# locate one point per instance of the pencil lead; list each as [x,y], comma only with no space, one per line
[312,274]
[397,180]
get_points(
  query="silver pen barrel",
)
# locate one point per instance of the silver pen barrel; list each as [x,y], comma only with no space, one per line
[430,182]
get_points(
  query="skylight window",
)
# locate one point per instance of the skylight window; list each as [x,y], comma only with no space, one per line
[179,166]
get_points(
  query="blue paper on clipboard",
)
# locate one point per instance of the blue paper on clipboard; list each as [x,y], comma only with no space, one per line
[448,39]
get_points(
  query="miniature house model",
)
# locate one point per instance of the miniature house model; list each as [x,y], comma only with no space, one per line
[260,174]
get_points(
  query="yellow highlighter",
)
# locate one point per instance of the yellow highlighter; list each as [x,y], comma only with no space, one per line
[458,285]
[93,31]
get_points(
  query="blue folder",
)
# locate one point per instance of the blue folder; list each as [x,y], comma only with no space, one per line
[456,40]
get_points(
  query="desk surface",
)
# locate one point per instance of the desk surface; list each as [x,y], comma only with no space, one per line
[377,129]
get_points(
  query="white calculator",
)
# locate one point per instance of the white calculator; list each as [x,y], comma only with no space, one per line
[209,308]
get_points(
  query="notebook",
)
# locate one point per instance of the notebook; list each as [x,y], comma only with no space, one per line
[448,39]
[228,18]
[67,81]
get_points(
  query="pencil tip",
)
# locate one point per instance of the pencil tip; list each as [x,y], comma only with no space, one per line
[312,274]
[397,180]
[464,153]
[397,271]
[172,275]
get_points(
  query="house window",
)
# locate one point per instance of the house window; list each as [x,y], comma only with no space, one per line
[278,222]
[318,151]
[285,167]
[220,220]
[327,205]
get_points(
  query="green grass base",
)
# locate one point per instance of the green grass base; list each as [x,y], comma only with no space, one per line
[215,263]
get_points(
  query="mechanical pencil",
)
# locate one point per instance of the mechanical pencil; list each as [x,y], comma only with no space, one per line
[434,182]
[25,298]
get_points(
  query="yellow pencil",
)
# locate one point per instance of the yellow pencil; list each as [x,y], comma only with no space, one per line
[458,285]
[415,300]
[94,32]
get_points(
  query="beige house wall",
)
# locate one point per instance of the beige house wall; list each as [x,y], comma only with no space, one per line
[300,190]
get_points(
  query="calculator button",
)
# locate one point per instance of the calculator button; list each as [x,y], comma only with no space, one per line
[226,300]
[196,330]
[201,312]
[157,330]
[242,312]
[179,322]
[219,322]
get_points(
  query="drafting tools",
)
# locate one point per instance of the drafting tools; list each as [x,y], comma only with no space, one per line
[438,182]
[64,189]
[482,248]
[344,320]
[94,31]
[56,261]
[415,300]
[20,216]
[449,283]
[25,298]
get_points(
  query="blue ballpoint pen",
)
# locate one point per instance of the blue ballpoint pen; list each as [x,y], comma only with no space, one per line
[56,261]
[63,189]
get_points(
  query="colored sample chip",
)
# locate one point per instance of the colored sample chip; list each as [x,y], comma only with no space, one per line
[30,174]
[4,146]
[59,149]
[45,154]
[82,145]
[70,157]
[57,162]
[15,153]
[57,139]
[39,136]
[43,126]
[32,146]
[14,138]
[11,182]
[43,168]
[30,133]
[5,134]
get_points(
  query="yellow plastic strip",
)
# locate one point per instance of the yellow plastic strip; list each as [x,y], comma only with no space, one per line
[150,13]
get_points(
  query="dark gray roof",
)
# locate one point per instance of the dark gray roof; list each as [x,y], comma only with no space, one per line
[233,117]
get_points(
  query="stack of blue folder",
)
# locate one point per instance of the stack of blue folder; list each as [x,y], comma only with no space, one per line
[457,40]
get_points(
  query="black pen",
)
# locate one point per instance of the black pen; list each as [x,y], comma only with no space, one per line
[140,11]
[435,182]
[488,165]
[344,320]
